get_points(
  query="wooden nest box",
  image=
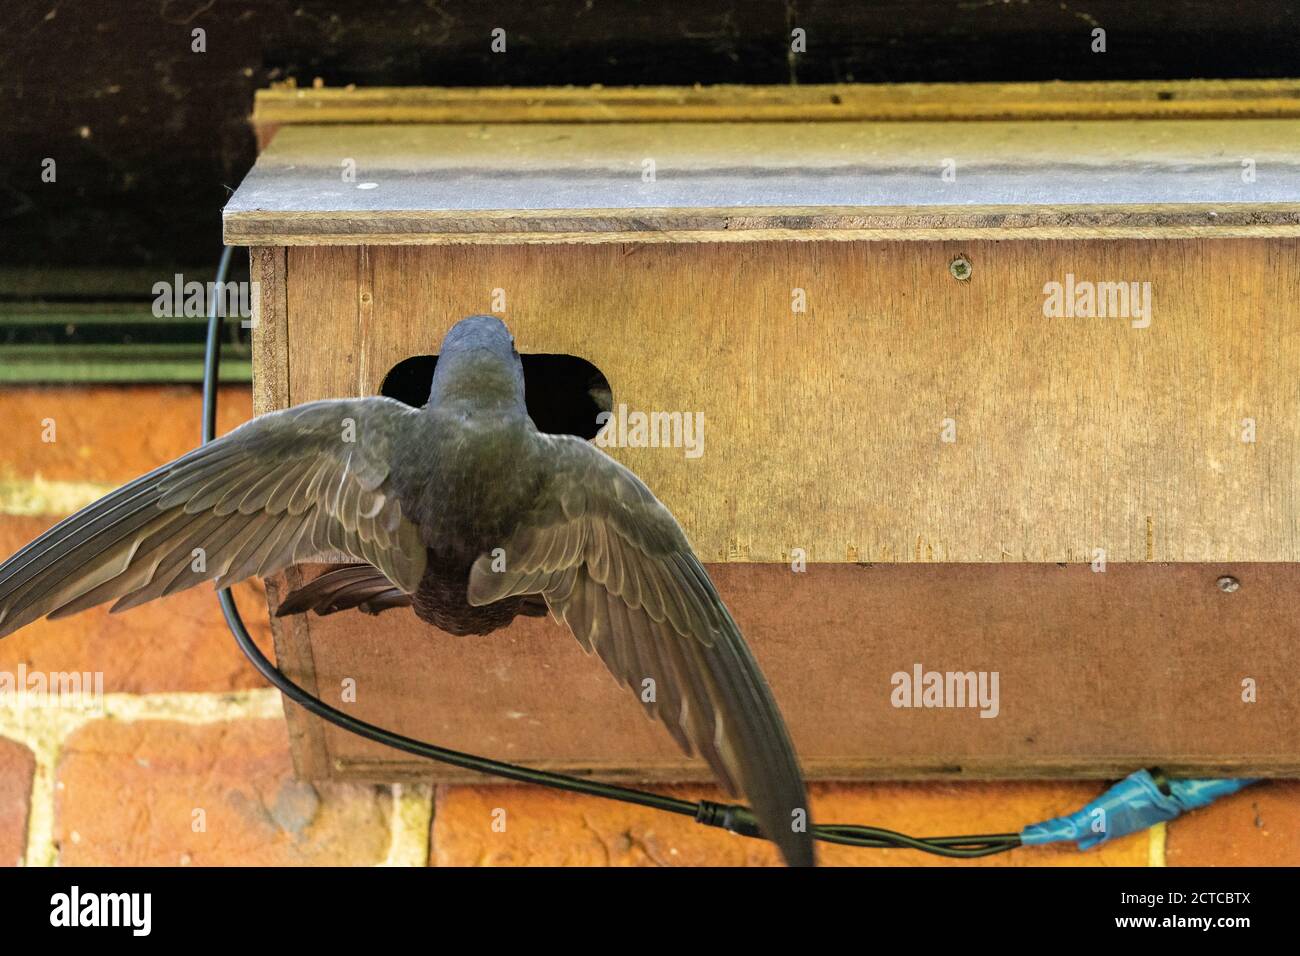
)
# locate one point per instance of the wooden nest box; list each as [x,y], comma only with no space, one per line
[1012,369]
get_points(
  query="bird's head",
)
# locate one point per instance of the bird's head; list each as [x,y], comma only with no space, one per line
[479,332]
[477,362]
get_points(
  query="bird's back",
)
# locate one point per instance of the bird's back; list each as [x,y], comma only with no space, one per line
[467,488]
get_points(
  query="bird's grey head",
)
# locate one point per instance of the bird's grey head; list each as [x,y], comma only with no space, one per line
[479,332]
[478,364]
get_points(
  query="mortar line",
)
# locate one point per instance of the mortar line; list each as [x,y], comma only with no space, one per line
[36,497]
[44,739]
[1157,838]
[411,827]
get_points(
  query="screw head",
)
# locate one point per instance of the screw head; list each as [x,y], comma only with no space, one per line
[960,269]
[1227,584]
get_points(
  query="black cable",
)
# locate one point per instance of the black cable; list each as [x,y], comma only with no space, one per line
[737,819]
[212,354]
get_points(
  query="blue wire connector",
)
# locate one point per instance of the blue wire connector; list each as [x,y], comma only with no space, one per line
[1133,804]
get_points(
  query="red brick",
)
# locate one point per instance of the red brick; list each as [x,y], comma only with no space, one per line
[107,434]
[17,766]
[177,643]
[110,434]
[127,795]
[1260,826]
[546,828]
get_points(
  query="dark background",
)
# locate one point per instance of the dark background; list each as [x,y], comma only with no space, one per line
[150,138]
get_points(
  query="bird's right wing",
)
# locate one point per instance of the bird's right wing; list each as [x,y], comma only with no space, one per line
[614,565]
[286,487]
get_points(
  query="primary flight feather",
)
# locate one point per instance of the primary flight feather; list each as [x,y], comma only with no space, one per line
[462,511]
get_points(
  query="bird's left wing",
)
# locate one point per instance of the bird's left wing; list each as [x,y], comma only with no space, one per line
[286,487]
[615,566]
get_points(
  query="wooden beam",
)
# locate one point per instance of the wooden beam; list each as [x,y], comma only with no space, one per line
[728,182]
[268,267]
[1168,99]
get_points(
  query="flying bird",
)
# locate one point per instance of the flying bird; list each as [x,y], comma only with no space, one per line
[467,514]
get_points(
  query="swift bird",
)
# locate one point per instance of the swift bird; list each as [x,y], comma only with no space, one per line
[463,511]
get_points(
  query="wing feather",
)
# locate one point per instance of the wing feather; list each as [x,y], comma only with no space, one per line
[614,565]
[281,489]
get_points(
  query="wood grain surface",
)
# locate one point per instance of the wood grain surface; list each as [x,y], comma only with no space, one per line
[285,104]
[1098,674]
[825,430]
[267,266]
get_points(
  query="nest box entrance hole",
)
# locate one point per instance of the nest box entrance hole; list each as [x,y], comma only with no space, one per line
[564,393]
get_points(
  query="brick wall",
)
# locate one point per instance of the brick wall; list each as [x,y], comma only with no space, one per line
[187,761]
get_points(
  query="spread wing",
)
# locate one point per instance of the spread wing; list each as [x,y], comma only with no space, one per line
[283,488]
[615,566]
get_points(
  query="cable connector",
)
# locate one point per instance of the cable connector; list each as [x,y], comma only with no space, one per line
[1135,803]
[728,817]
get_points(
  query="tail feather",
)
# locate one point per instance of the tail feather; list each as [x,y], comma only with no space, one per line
[351,585]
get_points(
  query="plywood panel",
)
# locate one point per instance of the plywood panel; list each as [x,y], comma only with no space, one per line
[564,183]
[1098,674]
[824,430]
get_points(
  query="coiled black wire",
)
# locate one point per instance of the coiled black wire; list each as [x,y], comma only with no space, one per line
[737,819]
